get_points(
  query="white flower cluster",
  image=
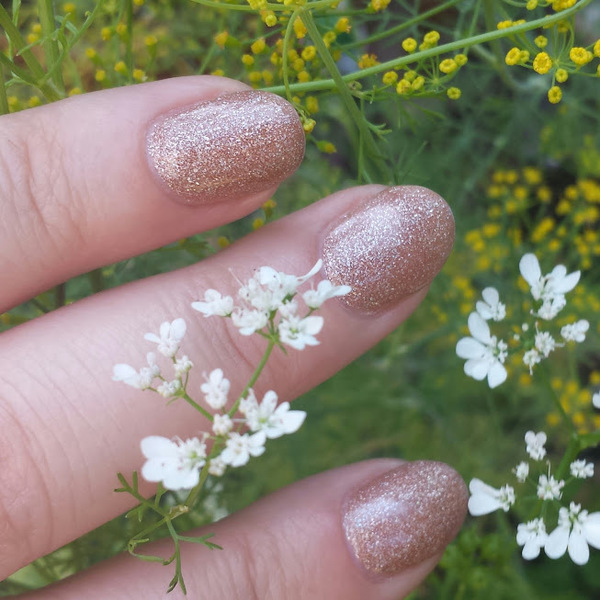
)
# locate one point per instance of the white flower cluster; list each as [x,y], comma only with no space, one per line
[269,307]
[269,292]
[485,354]
[576,529]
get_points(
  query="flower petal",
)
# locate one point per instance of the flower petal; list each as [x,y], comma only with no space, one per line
[578,548]
[529,267]
[557,542]
[591,529]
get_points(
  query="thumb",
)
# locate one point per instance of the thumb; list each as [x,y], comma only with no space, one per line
[370,530]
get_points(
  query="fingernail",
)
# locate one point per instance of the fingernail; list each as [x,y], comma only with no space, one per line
[404,516]
[239,143]
[389,246]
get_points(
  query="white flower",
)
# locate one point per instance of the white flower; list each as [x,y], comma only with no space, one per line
[521,471]
[551,288]
[325,290]
[491,307]
[581,469]
[576,529]
[530,358]
[141,380]
[170,338]
[274,420]
[535,444]
[239,448]
[484,353]
[532,536]
[182,366]
[544,343]
[214,304]
[549,488]
[216,466]
[596,400]
[485,499]
[575,332]
[249,321]
[222,424]
[168,389]
[299,333]
[176,463]
[215,389]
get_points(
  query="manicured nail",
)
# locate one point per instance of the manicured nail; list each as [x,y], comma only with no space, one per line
[404,516]
[239,143]
[389,246]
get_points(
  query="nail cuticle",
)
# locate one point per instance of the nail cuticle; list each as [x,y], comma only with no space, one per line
[404,516]
[389,246]
[237,144]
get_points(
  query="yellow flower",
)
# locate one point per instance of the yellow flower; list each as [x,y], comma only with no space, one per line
[312,104]
[254,76]
[121,68]
[410,75]
[258,46]
[461,59]
[559,5]
[561,75]
[531,4]
[379,5]
[299,28]
[90,53]
[597,48]
[222,242]
[431,38]
[532,175]
[448,65]
[298,64]
[329,38]
[390,78]
[68,8]
[524,56]
[513,56]
[308,125]
[453,93]
[409,45]
[504,24]
[247,60]
[542,63]
[367,60]
[580,56]
[100,75]
[343,25]
[151,40]
[403,87]
[418,83]
[554,94]
[309,52]
[541,41]
[303,76]
[139,75]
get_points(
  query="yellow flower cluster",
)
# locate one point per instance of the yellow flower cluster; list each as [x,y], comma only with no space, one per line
[574,399]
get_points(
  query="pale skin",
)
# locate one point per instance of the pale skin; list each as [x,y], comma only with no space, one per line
[77,194]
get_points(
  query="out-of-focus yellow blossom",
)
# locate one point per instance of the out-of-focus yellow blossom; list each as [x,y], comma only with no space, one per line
[554,94]
[409,45]
[542,63]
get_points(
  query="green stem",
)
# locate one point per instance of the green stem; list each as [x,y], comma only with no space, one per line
[19,47]
[573,449]
[51,50]
[286,45]
[498,62]
[404,25]
[3,97]
[483,38]
[194,404]
[340,84]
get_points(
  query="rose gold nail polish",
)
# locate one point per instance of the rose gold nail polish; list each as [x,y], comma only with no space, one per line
[404,516]
[389,246]
[239,143]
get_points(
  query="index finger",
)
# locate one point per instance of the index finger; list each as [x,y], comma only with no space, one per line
[95,179]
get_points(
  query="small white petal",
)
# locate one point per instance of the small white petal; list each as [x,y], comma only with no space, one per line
[557,542]
[578,548]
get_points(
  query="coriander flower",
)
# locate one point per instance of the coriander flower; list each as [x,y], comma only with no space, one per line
[549,488]
[214,304]
[170,337]
[596,400]
[299,333]
[169,389]
[239,448]
[535,444]
[217,466]
[273,420]
[485,354]
[485,499]
[249,321]
[182,366]
[576,529]
[581,469]
[575,332]
[532,536]
[550,288]
[141,380]
[325,290]
[222,424]
[215,389]
[531,358]
[521,471]
[176,463]
[491,307]
[544,343]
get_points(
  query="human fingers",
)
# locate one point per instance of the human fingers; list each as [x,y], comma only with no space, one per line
[371,530]
[94,179]
[67,426]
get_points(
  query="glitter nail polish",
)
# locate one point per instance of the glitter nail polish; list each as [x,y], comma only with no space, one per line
[405,516]
[237,144]
[389,246]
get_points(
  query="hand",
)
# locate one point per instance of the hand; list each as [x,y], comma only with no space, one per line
[96,179]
